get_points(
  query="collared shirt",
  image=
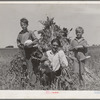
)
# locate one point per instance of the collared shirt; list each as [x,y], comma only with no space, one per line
[57,59]
[77,42]
[23,36]
[81,51]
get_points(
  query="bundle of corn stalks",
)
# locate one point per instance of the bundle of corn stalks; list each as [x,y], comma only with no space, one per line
[52,30]
[19,71]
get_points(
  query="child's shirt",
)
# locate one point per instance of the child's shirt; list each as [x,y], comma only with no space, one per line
[57,59]
[80,53]
[23,36]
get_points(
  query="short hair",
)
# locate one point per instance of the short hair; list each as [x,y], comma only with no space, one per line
[24,20]
[57,41]
[78,29]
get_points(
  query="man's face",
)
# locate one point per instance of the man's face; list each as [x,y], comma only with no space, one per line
[55,46]
[79,34]
[23,25]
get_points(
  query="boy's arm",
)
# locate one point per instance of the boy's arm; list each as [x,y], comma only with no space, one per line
[34,39]
[79,47]
[63,59]
[71,47]
[19,42]
[44,57]
[85,44]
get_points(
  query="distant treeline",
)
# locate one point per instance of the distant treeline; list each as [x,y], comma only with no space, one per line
[9,46]
[91,47]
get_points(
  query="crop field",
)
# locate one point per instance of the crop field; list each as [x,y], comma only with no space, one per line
[93,65]
[7,54]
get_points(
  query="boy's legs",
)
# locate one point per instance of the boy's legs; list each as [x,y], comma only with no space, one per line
[32,77]
[22,53]
[76,73]
[81,73]
[79,69]
[29,67]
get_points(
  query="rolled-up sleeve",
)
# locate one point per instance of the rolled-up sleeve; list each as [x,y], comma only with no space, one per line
[33,37]
[71,46]
[18,40]
[63,58]
[85,44]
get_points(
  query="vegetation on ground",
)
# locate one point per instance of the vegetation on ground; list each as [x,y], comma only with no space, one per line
[13,69]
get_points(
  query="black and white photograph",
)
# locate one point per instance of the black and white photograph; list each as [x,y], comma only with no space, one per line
[50,46]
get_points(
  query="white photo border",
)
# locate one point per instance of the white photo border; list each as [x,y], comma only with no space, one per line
[48,94]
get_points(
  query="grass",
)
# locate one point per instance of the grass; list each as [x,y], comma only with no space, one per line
[6,55]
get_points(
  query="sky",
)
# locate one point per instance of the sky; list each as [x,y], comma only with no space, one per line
[65,15]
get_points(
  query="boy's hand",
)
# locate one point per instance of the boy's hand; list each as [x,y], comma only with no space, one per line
[78,47]
[28,45]
[21,46]
[33,44]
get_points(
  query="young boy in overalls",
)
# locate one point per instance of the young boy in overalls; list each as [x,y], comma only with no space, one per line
[79,48]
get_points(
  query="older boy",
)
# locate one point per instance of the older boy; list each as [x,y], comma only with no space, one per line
[26,50]
[79,48]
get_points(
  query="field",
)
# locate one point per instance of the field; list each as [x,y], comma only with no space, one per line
[93,65]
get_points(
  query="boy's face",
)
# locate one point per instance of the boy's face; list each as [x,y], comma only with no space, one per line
[23,25]
[79,34]
[55,46]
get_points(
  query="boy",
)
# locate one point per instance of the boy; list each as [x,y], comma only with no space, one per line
[79,48]
[26,50]
[55,60]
